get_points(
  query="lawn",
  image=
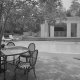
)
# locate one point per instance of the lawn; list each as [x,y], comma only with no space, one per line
[50,66]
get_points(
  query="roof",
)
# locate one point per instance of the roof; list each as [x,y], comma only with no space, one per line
[73,18]
[76,18]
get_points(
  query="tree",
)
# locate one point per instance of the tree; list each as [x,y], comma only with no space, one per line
[25,15]
[51,9]
[31,13]
[74,8]
[75,5]
[6,8]
[68,13]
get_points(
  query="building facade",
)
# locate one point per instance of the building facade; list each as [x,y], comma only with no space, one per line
[72,29]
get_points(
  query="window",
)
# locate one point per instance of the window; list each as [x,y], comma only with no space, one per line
[60,30]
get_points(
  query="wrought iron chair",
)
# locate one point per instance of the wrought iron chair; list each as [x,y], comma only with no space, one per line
[27,66]
[11,44]
[31,49]
[3,65]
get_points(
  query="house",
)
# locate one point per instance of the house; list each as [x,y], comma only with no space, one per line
[72,29]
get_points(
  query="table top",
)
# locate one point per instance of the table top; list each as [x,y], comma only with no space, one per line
[16,50]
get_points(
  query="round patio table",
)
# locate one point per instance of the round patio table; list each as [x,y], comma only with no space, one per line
[16,50]
[12,51]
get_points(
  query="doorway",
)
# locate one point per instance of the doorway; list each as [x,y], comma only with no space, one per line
[73,29]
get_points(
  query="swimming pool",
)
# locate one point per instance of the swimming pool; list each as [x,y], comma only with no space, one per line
[53,46]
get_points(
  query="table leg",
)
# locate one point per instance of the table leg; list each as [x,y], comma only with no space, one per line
[0,65]
[2,70]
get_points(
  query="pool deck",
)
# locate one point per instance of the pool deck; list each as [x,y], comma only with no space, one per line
[58,47]
[53,46]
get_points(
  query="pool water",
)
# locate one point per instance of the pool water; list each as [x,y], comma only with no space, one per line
[53,46]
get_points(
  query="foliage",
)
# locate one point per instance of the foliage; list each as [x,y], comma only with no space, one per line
[75,6]
[74,9]
[29,13]
[26,14]
[68,13]
[52,9]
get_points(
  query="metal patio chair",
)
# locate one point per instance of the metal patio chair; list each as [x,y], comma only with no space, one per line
[11,44]
[27,66]
[31,49]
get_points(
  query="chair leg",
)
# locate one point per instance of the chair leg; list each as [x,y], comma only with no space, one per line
[13,59]
[14,74]
[24,72]
[27,74]
[26,60]
[34,72]
[5,65]
[4,76]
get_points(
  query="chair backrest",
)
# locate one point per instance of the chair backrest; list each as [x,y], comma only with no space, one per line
[10,44]
[33,58]
[31,47]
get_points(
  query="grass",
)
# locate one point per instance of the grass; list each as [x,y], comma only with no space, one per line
[50,66]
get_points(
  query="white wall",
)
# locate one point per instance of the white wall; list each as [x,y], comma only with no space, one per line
[78,30]
[51,31]
[44,30]
[68,29]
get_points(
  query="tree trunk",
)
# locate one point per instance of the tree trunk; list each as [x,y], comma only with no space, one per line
[1,11]
[1,27]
